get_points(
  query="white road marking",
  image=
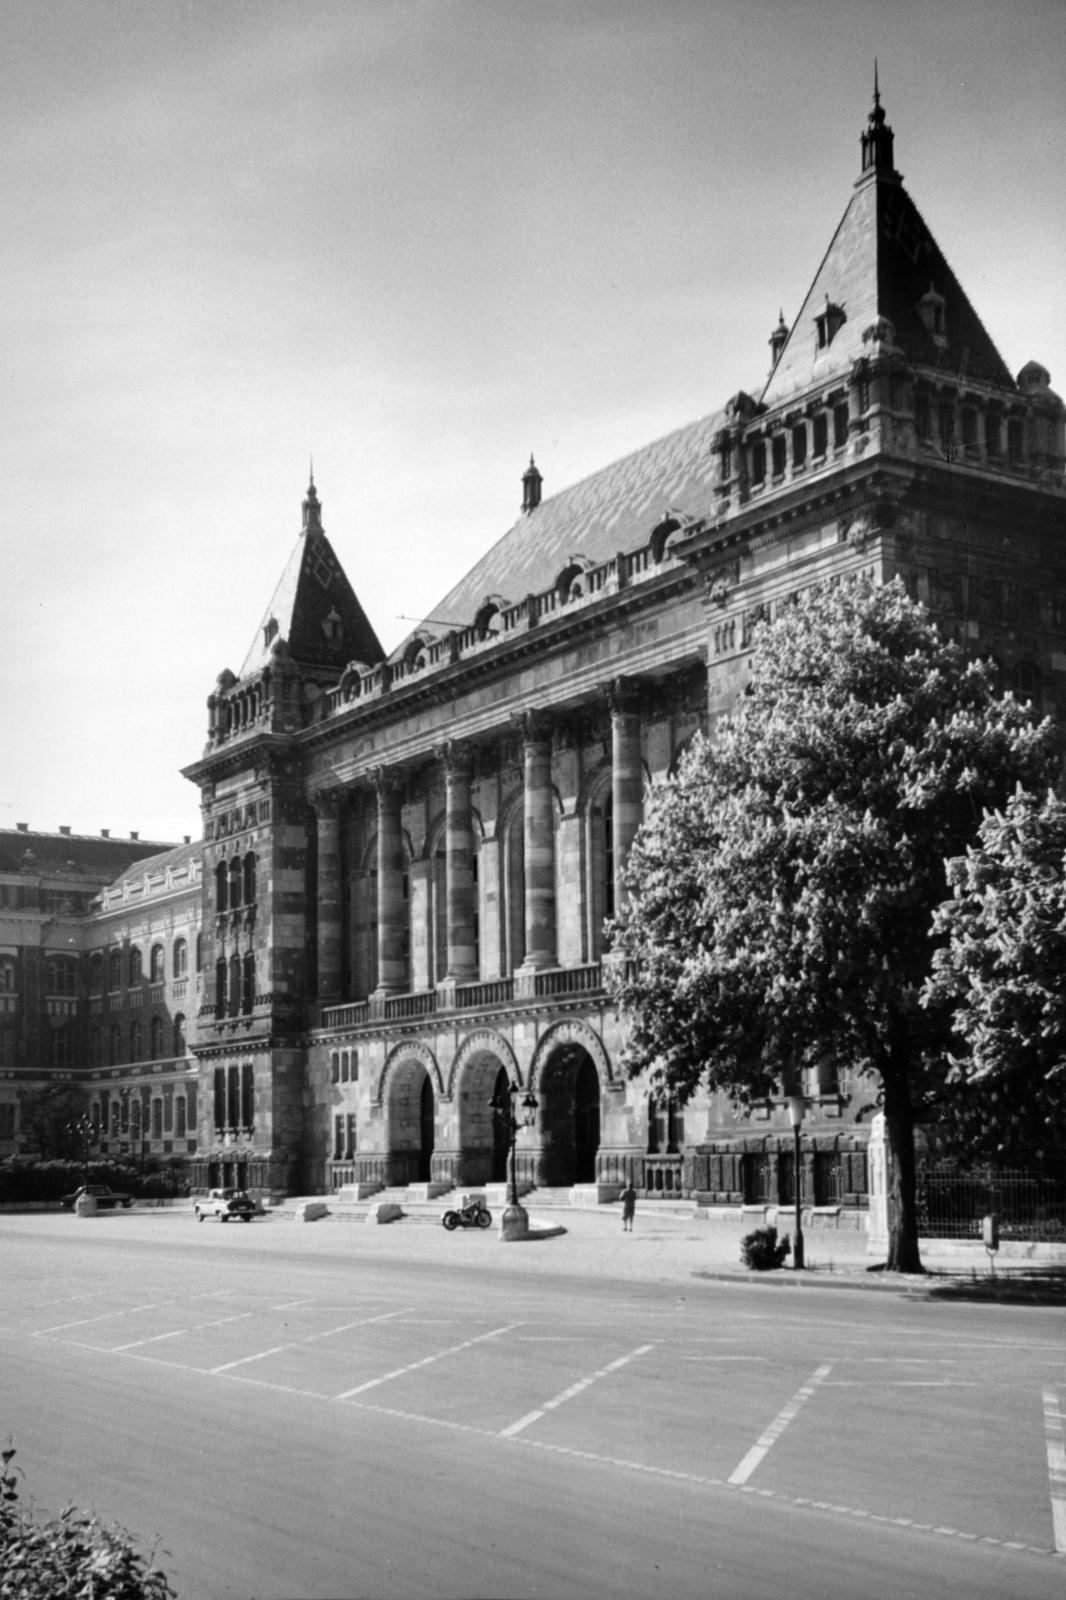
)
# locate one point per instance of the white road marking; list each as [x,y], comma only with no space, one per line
[1055,1432]
[327,1333]
[568,1394]
[426,1361]
[41,1333]
[117,1349]
[776,1428]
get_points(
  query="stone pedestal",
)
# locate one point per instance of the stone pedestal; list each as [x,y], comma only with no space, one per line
[384,1211]
[514,1224]
[311,1211]
[86,1206]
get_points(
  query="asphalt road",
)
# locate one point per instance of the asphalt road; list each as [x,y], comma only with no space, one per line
[313,1414]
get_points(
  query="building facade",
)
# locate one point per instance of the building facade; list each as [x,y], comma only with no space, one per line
[408,859]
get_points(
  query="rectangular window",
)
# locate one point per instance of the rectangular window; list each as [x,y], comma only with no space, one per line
[335,1067]
[190,1104]
[821,433]
[1015,447]
[350,1143]
[922,419]
[338,1138]
[181,1126]
[758,462]
[799,446]
[168,1114]
[157,1119]
[778,449]
[993,427]
[946,426]
[840,426]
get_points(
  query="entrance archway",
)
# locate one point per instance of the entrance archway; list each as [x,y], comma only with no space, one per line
[410,1119]
[483,1147]
[569,1094]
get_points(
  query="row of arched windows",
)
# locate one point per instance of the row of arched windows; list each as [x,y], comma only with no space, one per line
[235,883]
[130,966]
[137,1116]
[157,1036]
[235,985]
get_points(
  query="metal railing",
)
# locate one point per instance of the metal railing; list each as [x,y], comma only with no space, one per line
[1030,1205]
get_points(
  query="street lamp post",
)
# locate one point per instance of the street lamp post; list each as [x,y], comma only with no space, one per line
[796,1107]
[505,1112]
[84,1130]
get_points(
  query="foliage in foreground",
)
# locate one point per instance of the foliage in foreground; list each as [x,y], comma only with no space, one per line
[783,886]
[70,1557]
[761,1250]
[24,1180]
[1003,971]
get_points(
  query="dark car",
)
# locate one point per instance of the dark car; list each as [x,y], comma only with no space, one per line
[226,1203]
[105,1198]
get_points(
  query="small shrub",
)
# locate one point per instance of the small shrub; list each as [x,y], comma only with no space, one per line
[73,1555]
[761,1251]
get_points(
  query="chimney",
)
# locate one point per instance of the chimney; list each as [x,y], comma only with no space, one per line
[105,833]
[65,830]
[188,838]
[23,827]
[531,485]
[135,836]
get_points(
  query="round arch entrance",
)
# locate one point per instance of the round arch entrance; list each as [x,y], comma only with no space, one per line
[569,1093]
[410,1113]
[483,1145]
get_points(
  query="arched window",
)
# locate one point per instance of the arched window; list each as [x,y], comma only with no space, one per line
[7,975]
[180,958]
[1026,681]
[248,983]
[179,1034]
[116,1113]
[234,984]
[134,966]
[114,970]
[220,987]
[666,1125]
[221,883]
[115,1045]
[157,1119]
[234,883]
[124,1122]
[199,952]
[96,974]
[157,1038]
[180,1126]
[136,1119]
[220,1099]
[155,964]
[135,1041]
[233,1097]
[248,1097]
[249,879]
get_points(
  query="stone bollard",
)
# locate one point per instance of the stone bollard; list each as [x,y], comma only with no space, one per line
[86,1206]
[311,1211]
[384,1211]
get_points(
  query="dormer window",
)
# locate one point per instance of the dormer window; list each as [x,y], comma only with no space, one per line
[828,323]
[931,311]
[270,632]
[333,627]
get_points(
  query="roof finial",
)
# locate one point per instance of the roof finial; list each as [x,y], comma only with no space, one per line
[312,472]
[877,139]
[311,508]
[531,482]
[877,92]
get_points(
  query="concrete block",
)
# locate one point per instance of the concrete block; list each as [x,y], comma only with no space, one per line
[86,1206]
[384,1211]
[311,1211]
[420,1192]
[358,1191]
[587,1195]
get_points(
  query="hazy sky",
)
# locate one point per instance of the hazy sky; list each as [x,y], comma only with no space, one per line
[419,240]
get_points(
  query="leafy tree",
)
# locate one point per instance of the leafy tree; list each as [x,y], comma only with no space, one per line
[782,890]
[48,1118]
[1002,971]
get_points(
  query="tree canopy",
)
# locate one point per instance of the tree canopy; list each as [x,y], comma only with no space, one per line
[783,887]
[1002,971]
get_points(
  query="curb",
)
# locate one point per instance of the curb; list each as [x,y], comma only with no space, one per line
[983,1292]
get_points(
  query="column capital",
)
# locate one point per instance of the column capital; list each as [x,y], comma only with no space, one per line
[534,727]
[456,755]
[387,782]
[328,802]
[623,694]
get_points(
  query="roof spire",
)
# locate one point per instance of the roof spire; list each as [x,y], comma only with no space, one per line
[877,140]
[531,482]
[311,508]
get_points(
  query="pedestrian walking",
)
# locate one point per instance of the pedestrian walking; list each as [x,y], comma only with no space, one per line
[629,1207]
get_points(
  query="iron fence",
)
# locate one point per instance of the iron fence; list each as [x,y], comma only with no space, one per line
[1030,1205]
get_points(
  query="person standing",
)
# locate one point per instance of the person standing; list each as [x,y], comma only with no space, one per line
[629,1207]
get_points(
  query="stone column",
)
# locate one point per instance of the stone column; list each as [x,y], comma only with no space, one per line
[462,963]
[327,804]
[391,914]
[539,843]
[627,776]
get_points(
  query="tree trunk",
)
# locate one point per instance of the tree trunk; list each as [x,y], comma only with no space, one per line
[902,1180]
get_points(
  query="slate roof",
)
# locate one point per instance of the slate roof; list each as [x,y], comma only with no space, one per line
[173,856]
[314,587]
[98,860]
[615,509]
[881,261]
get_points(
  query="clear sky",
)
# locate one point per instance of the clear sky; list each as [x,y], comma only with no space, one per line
[419,240]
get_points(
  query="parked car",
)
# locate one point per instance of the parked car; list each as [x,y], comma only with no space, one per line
[224,1204]
[105,1198]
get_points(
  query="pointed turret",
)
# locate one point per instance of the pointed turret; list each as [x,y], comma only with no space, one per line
[883,266]
[531,486]
[314,608]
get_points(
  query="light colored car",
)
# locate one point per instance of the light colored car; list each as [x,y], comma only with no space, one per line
[224,1204]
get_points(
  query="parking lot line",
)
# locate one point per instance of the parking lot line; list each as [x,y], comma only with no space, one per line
[776,1428]
[568,1394]
[426,1361]
[116,1349]
[1055,1434]
[105,1316]
[308,1338]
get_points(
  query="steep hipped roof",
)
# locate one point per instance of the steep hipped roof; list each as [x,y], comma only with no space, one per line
[98,860]
[314,608]
[615,509]
[175,859]
[883,262]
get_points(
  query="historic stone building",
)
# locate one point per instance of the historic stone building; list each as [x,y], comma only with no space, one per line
[408,860]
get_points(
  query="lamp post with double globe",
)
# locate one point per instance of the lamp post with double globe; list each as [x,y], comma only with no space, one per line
[505,1112]
[796,1107]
